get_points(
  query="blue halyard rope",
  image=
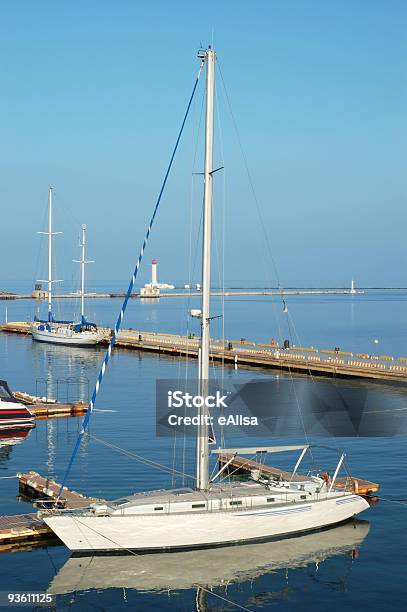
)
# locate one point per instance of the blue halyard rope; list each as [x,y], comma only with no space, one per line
[112,342]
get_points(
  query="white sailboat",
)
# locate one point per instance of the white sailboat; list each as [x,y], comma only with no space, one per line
[214,513]
[69,333]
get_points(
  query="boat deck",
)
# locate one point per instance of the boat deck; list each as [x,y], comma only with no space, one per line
[239,465]
[231,489]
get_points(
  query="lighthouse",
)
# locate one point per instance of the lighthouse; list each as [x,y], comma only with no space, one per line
[154,272]
[153,289]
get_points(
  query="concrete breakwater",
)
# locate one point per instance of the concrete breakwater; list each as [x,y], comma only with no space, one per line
[229,293]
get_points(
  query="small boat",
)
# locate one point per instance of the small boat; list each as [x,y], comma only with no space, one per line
[13,414]
[68,333]
[213,513]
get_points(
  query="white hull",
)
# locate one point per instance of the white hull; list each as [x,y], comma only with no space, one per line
[148,533]
[85,338]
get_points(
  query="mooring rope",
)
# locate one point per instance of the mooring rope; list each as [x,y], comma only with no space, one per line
[394,501]
[112,342]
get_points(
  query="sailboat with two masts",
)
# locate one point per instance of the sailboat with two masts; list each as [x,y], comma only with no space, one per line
[50,330]
[213,513]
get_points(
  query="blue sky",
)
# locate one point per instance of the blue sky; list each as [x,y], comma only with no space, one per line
[92,98]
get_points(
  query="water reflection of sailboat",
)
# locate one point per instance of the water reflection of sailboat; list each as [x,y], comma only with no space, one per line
[76,355]
[206,568]
[76,365]
[73,386]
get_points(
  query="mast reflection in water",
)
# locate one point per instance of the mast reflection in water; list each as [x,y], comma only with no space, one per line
[65,373]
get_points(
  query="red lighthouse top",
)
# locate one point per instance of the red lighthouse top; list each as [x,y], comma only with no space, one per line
[154,262]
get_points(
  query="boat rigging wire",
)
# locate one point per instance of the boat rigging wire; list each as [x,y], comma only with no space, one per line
[149,462]
[249,176]
[267,243]
[221,258]
[261,219]
[112,342]
[264,232]
[256,202]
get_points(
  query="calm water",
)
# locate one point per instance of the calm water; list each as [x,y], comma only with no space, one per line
[354,568]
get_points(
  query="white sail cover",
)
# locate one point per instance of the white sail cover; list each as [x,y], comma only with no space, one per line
[258,449]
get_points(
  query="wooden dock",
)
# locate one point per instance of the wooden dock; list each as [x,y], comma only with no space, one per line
[50,409]
[24,530]
[53,411]
[244,353]
[44,492]
[16,327]
[243,465]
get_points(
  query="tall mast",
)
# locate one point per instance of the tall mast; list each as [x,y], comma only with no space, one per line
[82,261]
[50,233]
[83,273]
[202,435]
[50,254]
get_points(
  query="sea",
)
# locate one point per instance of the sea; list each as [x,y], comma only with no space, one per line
[356,566]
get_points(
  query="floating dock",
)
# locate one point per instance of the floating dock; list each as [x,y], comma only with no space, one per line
[241,465]
[44,491]
[244,353]
[16,327]
[52,411]
[24,530]
[47,409]
[28,530]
